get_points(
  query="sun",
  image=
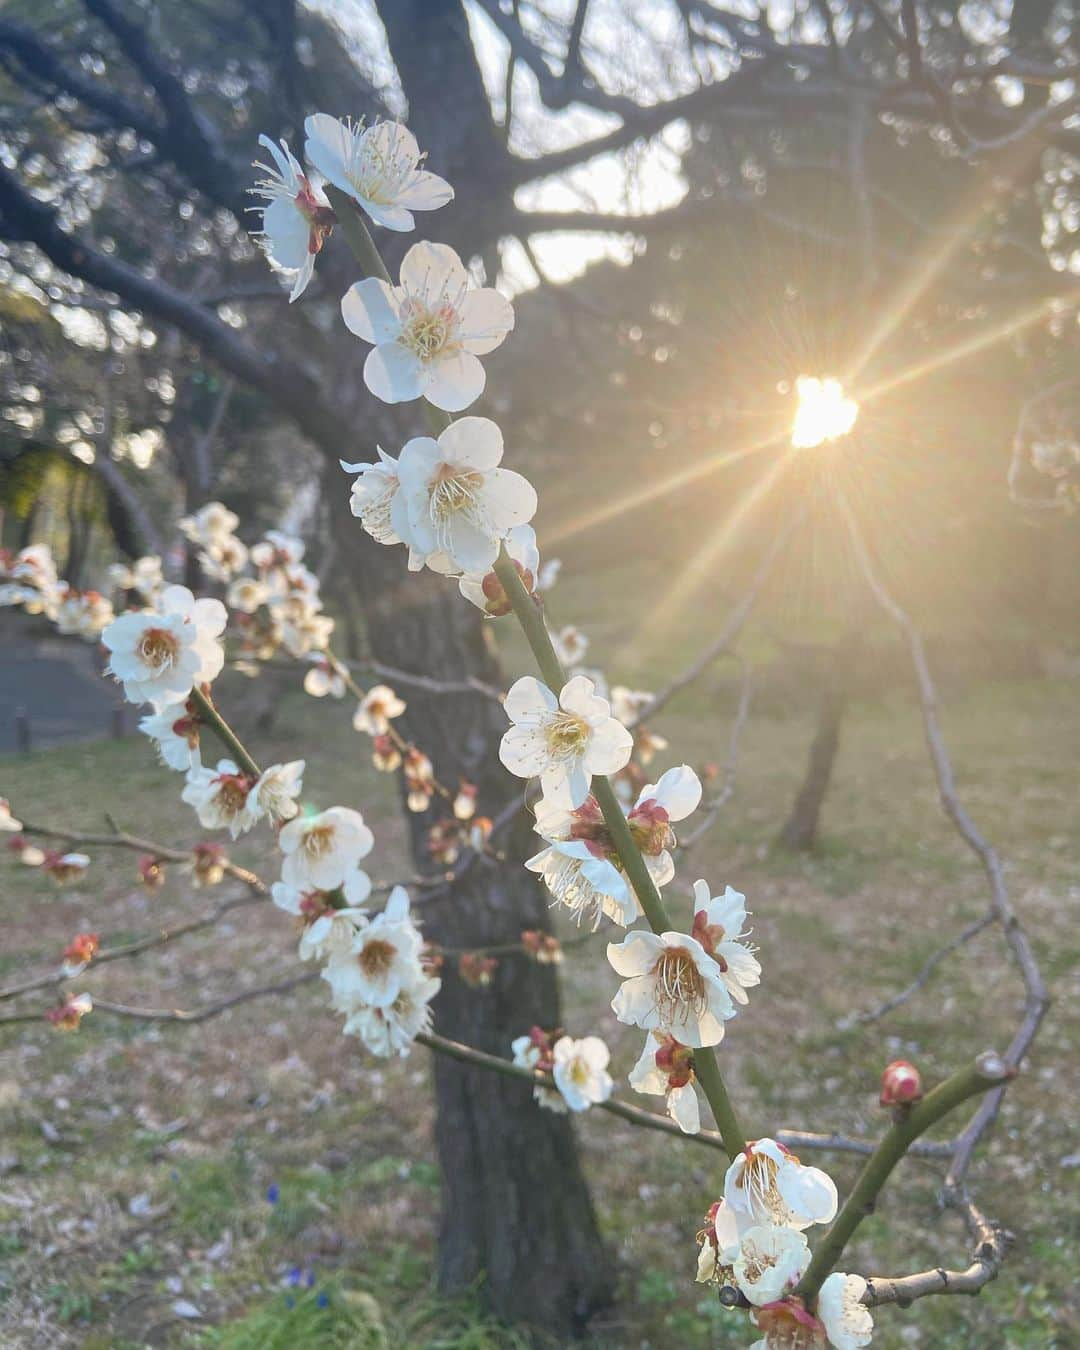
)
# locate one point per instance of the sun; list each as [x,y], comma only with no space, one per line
[823,414]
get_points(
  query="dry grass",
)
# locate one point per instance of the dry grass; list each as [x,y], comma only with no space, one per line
[136,1159]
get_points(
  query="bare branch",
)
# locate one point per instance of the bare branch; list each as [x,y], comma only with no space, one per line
[992,1244]
[1036,998]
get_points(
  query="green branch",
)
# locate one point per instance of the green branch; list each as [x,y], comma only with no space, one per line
[988,1071]
[209,715]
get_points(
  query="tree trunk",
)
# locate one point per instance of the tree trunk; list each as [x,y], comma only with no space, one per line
[516,1213]
[800,830]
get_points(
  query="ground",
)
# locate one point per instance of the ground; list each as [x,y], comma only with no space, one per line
[257,1180]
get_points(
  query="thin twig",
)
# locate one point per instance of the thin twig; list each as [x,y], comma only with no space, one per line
[926,970]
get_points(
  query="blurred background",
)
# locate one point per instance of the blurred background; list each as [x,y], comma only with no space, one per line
[693,204]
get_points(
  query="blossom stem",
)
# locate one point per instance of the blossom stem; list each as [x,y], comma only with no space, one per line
[532,623]
[988,1071]
[360,242]
[214,720]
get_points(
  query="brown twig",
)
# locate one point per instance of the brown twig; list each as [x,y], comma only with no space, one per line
[927,969]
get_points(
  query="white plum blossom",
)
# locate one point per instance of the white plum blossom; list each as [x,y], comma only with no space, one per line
[82,613]
[581,866]
[276,549]
[580,1071]
[295,221]
[222,797]
[770,1185]
[392,1030]
[175,731]
[847,1320]
[570,646]
[718,926]
[484,589]
[372,496]
[670,983]
[377,166]
[143,576]
[9,824]
[211,524]
[563,741]
[382,959]
[276,790]
[454,502]
[375,711]
[534,1052]
[666,1069]
[589,886]
[246,594]
[325,677]
[429,331]
[159,655]
[327,928]
[322,850]
[770,1262]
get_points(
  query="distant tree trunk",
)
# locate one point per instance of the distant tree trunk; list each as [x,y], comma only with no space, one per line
[800,830]
[516,1213]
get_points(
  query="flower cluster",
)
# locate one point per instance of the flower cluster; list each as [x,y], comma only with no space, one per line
[754,1238]
[578,1067]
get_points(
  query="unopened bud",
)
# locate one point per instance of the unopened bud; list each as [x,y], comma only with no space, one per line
[901,1084]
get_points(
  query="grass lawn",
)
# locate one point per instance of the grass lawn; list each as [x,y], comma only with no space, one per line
[137,1160]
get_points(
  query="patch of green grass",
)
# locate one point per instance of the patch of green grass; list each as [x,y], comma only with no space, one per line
[212,1194]
[331,1317]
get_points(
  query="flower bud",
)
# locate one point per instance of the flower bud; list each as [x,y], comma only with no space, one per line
[901,1084]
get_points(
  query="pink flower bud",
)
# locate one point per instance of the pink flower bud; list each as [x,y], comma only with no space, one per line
[901,1084]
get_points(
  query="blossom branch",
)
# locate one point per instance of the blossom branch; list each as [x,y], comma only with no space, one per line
[532,623]
[988,1072]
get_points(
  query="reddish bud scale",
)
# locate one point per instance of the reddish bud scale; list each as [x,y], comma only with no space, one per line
[901,1084]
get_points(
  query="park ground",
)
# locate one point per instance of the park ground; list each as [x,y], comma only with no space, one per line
[138,1161]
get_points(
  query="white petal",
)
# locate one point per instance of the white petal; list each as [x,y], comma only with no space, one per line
[683,1108]
[455,379]
[486,318]
[510,499]
[395,374]
[610,747]
[475,442]
[527,697]
[427,192]
[370,310]
[678,791]
[433,270]
[635,955]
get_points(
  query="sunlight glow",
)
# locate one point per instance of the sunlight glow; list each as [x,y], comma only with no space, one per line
[823,414]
